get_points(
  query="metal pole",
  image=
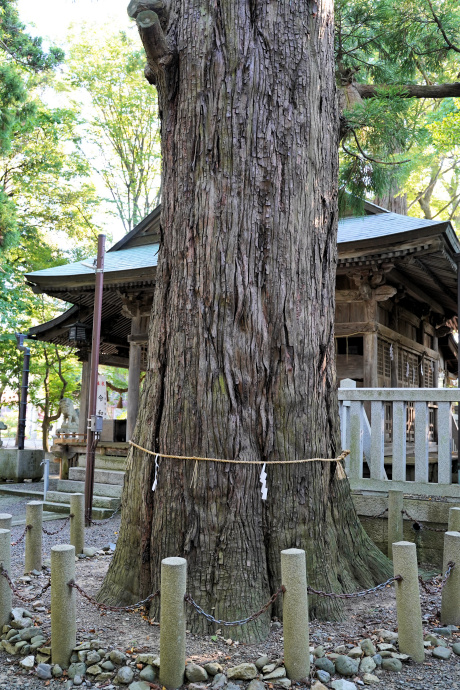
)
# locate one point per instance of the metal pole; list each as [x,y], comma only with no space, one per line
[92,435]
[457,259]
[24,390]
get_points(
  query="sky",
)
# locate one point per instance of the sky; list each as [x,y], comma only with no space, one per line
[53,17]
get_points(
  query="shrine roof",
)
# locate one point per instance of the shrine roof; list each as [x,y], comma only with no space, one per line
[122,260]
[381,225]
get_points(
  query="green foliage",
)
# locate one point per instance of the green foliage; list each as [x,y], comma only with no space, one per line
[393,43]
[23,63]
[121,135]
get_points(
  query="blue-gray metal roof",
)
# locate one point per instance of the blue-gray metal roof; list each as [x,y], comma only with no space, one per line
[380,225]
[145,256]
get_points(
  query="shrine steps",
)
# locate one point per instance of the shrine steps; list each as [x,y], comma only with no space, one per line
[105,462]
[110,504]
[115,477]
[109,462]
[64,508]
[71,486]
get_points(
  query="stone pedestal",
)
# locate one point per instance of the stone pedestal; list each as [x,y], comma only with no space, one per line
[21,464]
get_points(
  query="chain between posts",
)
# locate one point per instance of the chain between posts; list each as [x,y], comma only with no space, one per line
[379,514]
[105,607]
[16,592]
[21,538]
[99,524]
[51,534]
[419,524]
[243,621]
[363,593]
[424,584]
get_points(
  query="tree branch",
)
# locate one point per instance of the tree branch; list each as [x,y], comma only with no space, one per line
[441,29]
[411,90]
[369,158]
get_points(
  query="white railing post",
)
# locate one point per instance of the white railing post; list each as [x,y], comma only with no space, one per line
[356,440]
[422,426]
[345,421]
[399,441]
[444,443]
[377,468]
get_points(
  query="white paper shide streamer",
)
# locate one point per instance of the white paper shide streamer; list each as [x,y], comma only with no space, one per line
[263,481]
[155,478]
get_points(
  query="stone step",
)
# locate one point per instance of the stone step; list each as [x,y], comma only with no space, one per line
[64,509]
[101,476]
[105,462]
[78,487]
[98,501]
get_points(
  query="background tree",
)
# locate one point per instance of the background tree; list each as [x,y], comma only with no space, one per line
[389,53]
[241,356]
[23,65]
[121,129]
[55,374]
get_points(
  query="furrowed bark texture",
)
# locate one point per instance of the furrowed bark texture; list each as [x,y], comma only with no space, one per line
[241,359]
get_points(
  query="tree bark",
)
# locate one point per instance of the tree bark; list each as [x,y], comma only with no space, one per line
[241,357]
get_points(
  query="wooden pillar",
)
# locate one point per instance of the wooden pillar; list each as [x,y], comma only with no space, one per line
[394,366]
[134,375]
[84,397]
[370,360]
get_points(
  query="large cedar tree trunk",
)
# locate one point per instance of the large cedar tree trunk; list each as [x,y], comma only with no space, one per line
[241,356]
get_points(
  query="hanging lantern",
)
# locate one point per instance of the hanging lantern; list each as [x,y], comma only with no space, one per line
[77,333]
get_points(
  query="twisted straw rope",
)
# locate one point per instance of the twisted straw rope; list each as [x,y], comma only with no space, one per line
[341,457]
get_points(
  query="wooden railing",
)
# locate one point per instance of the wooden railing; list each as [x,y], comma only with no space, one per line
[423,467]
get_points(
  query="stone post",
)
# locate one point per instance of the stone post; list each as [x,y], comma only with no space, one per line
[34,518]
[5,521]
[6,595]
[63,604]
[77,522]
[454,520]
[395,519]
[450,603]
[172,621]
[408,607]
[295,614]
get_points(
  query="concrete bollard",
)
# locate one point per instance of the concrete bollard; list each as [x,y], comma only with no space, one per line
[450,603]
[172,621]
[77,522]
[295,614]
[5,521]
[63,604]
[395,519]
[6,595]
[454,520]
[408,607]
[34,517]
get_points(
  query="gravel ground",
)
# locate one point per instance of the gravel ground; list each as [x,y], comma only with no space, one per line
[131,632]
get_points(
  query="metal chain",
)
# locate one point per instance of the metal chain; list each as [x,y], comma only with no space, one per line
[378,514]
[16,591]
[243,621]
[419,524]
[105,607]
[99,524]
[432,582]
[51,534]
[21,538]
[450,567]
[363,593]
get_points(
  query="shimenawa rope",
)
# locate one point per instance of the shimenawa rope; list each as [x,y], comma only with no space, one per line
[341,457]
